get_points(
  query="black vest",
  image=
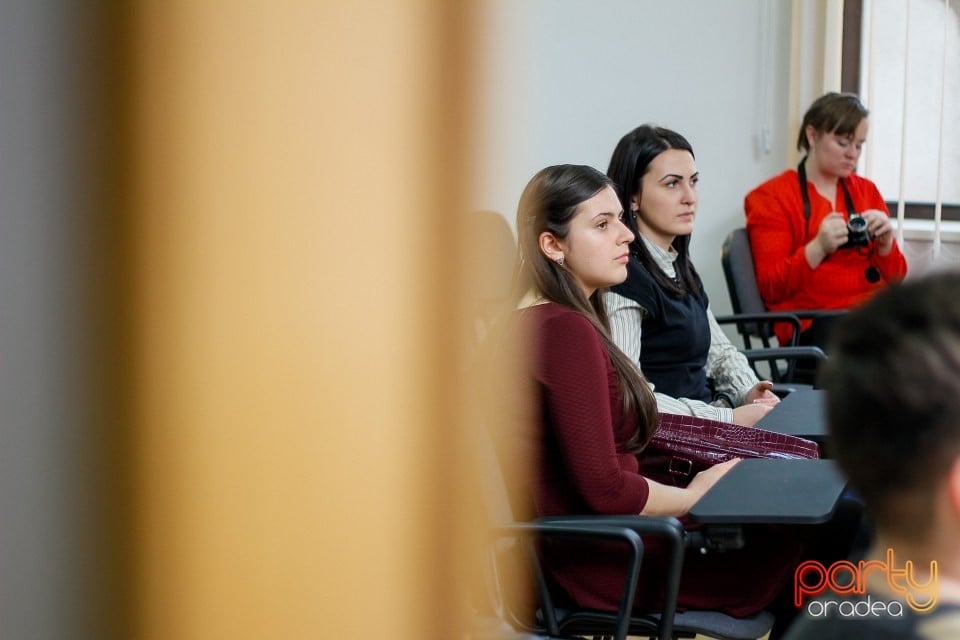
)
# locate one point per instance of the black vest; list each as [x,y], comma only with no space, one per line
[676,335]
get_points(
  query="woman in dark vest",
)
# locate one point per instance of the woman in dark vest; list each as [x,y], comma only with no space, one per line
[694,367]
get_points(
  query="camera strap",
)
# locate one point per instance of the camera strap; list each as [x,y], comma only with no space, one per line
[847,199]
[872,273]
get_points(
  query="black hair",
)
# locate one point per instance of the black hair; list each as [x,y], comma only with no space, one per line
[630,161]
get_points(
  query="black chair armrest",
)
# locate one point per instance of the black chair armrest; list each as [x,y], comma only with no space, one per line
[791,354]
[813,314]
[784,353]
[781,316]
[583,527]
[749,324]
[661,526]
[792,317]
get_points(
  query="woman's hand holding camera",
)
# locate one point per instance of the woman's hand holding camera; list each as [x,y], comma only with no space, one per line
[831,234]
[834,232]
[880,229]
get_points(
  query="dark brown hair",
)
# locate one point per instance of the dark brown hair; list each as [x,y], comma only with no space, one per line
[549,203]
[838,113]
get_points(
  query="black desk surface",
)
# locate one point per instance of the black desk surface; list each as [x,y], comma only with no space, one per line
[802,413]
[763,490]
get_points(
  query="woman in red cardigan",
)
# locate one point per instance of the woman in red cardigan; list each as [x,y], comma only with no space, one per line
[821,235]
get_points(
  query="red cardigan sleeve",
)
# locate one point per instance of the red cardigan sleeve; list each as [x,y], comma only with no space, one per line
[775,225]
[582,410]
[893,266]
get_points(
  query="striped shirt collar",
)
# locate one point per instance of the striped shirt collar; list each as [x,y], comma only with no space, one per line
[663,258]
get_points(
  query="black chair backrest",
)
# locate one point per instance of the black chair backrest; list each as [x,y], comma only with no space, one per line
[738,269]
[741,276]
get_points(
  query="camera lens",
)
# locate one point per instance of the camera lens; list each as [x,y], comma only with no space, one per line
[857,234]
[857,224]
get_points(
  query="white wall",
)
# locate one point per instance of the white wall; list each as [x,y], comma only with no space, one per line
[567,78]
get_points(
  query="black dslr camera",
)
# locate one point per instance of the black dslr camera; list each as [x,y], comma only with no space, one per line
[857,233]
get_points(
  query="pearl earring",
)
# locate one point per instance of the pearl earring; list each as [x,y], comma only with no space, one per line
[560,261]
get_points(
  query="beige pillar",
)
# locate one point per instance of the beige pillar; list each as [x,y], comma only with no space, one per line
[297,168]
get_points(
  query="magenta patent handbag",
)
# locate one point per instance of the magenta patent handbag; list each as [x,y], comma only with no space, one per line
[685,445]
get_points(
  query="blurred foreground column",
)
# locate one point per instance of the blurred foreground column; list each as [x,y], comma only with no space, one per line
[297,172]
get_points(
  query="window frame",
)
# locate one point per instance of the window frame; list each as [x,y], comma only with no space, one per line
[850,82]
